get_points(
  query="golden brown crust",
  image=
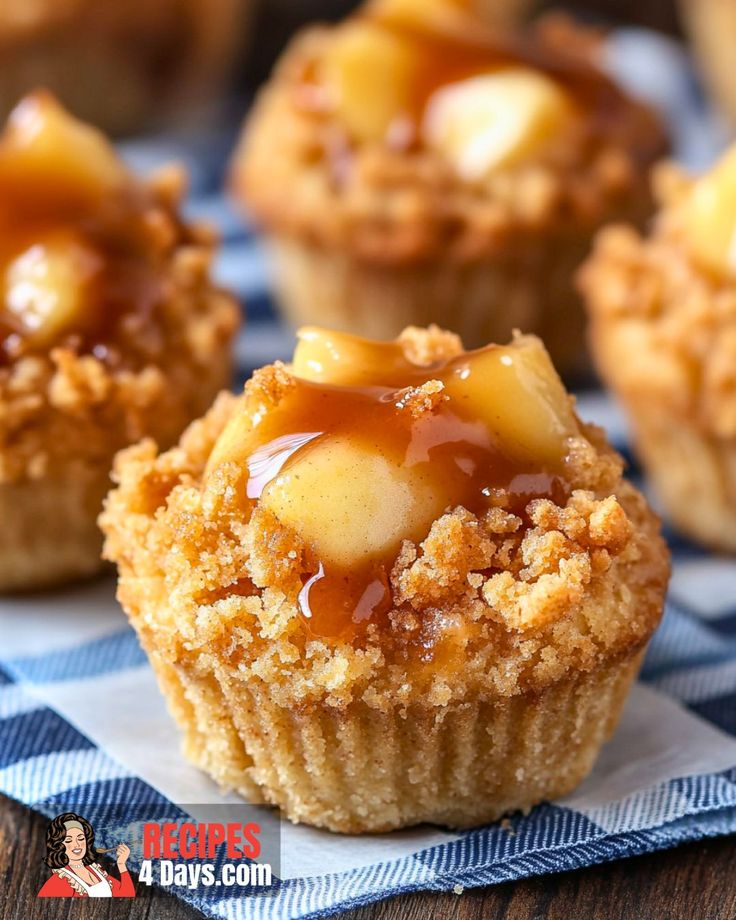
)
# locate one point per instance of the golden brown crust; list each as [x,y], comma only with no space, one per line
[483,608]
[359,769]
[663,330]
[397,207]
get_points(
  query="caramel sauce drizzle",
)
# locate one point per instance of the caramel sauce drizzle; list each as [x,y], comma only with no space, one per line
[121,281]
[460,47]
[460,456]
[122,272]
[464,51]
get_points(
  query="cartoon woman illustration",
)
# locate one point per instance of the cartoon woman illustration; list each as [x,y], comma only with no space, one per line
[71,855]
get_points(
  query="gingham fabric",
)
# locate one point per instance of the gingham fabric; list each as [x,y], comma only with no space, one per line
[81,723]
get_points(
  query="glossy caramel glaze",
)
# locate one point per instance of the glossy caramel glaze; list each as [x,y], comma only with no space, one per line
[423,422]
[82,205]
[458,47]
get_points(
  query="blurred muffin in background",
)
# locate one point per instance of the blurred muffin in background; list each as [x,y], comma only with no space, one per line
[412,166]
[711,26]
[277,21]
[110,330]
[120,65]
[663,332]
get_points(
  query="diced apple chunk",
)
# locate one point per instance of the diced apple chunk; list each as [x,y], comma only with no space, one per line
[351,503]
[710,217]
[235,442]
[353,496]
[494,120]
[327,356]
[419,12]
[368,71]
[46,287]
[516,392]
[46,152]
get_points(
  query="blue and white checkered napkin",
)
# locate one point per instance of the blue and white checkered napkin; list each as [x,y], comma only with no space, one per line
[82,722]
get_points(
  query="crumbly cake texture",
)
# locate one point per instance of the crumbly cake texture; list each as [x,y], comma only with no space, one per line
[663,333]
[491,683]
[64,415]
[370,239]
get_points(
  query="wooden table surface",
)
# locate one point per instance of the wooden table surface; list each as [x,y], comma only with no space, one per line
[694,882]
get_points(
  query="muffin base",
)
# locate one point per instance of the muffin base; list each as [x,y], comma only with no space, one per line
[693,473]
[49,531]
[49,534]
[362,770]
[482,301]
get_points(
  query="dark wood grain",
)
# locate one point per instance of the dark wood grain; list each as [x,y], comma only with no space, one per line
[695,882]
[22,846]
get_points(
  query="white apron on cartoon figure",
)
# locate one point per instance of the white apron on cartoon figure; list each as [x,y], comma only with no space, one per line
[100,889]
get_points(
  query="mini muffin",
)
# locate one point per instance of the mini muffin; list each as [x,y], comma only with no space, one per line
[390,583]
[411,166]
[110,329]
[288,14]
[663,331]
[711,25]
[278,20]
[120,65]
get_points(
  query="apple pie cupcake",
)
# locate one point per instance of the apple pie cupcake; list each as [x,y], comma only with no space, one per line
[121,65]
[110,329]
[411,166]
[391,582]
[663,332]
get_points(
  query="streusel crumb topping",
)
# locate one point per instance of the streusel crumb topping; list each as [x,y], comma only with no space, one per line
[495,603]
[399,200]
[666,323]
